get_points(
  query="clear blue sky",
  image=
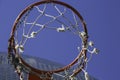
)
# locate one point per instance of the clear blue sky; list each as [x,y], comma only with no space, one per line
[103,23]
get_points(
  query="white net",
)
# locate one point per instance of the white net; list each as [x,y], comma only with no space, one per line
[56,21]
[50,17]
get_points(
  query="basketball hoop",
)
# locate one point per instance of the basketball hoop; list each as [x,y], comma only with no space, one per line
[29,24]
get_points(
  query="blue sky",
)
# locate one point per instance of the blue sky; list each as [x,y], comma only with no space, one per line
[102,18]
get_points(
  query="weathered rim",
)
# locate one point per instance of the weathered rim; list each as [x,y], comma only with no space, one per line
[12,44]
